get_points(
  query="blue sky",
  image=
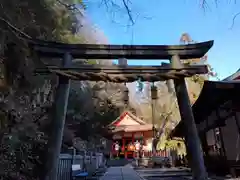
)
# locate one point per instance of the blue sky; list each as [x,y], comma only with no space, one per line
[163,22]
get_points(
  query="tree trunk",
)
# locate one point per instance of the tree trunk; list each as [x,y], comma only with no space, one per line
[2,67]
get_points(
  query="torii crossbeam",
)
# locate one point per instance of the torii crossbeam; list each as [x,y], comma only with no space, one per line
[103,51]
[120,74]
[175,70]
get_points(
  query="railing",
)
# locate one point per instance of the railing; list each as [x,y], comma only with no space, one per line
[87,160]
[64,167]
[167,158]
[163,153]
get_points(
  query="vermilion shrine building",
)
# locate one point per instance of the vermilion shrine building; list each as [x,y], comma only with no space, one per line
[127,129]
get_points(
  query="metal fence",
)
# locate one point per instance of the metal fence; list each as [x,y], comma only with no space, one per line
[65,167]
[88,161]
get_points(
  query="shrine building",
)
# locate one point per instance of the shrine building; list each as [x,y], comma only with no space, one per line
[217,117]
[126,130]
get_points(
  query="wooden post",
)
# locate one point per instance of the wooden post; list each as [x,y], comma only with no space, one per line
[58,122]
[203,140]
[133,154]
[154,98]
[223,150]
[193,145]
[237,122]
[123,147]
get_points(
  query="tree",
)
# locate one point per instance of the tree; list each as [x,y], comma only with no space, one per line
[195,83]
[25,107]
[26,99]
[101,103]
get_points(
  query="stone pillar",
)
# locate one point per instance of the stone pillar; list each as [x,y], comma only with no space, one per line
[57,124]
[193,144]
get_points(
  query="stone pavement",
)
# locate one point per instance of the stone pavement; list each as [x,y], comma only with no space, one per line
[127,172]
[121,173]
[156,173]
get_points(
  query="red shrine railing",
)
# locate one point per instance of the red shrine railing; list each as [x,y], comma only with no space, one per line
[130,152]
[159,153]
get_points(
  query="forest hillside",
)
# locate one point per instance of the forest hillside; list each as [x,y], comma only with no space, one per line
[26,99]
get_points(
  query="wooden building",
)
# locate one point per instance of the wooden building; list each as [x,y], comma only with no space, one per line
[127,129]
[217,117]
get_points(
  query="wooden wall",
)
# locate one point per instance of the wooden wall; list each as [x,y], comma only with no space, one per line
[230,134]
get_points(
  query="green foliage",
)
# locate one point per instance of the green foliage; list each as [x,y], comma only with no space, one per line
[198,79]
[92,108]
[24,116]
[25,153]
[178,145]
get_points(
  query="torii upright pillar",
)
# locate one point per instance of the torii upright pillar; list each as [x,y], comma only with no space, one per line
[192,140]
[58,122]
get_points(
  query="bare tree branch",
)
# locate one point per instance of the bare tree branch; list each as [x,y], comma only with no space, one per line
[128,11]
[234,18]
[205,5]
[113,6]
[14,29]
[71,7]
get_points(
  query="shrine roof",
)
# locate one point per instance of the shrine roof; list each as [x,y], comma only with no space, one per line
[235,76]
[128,122]
[118,121]
[213,95]
[133,128]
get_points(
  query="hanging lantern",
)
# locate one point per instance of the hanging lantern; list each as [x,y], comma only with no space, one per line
[140,85]
[125,96]
[154,92]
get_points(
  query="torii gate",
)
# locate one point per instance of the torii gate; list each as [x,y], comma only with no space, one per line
[119,74]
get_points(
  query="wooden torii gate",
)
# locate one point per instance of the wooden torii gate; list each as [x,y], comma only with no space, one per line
[118,74]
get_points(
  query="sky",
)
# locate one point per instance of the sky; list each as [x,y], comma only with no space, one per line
[161,22]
